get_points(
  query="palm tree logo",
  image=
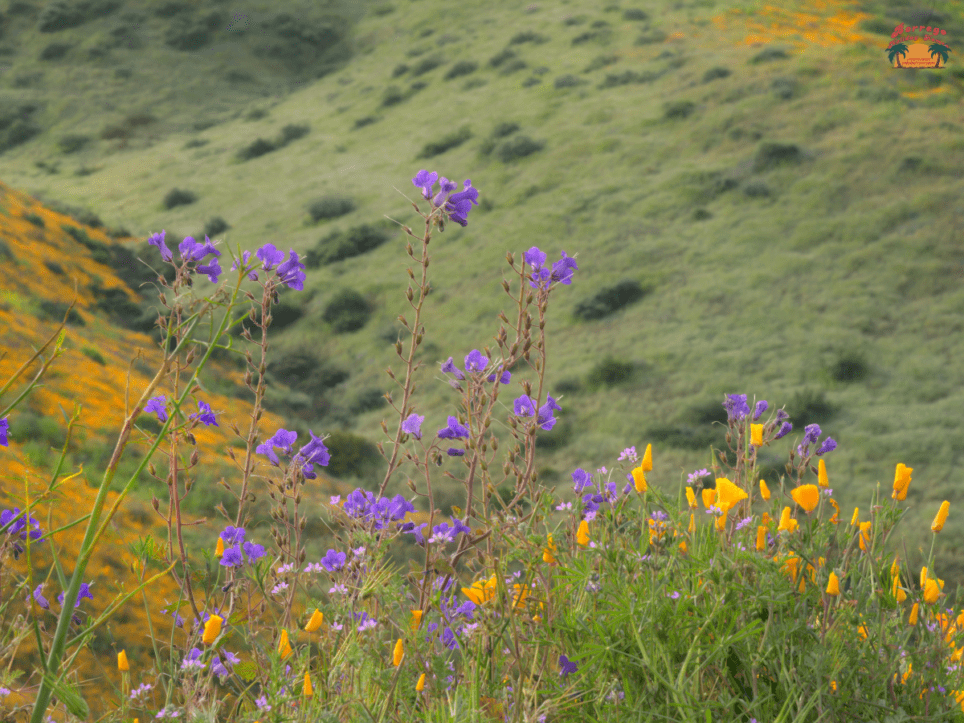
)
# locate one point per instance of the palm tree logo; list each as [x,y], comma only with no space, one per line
[941,51]
[900,51]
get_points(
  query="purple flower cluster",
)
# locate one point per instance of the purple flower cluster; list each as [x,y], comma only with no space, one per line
[595,496]
[232,556]
[4,431]
[24,526]
[524,407]
[311,454]
[736,407]
[158,405]
[454,205]
[290,272]
[541,277]
[475,362]
[362,505]
[810,435]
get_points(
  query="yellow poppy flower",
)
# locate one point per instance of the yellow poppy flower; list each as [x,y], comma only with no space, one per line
[764,491]
[833,586]
[897,591]
[219,548]
[756,435]
[211,629]
[307,689]
[682,547]
[765,519]
[912,620]
[721,522]
[420,685]
[582,534]
[923,576]
[317,618]
[122,663]
[807,496]
[639,478]
[691,497]
[398,653]
[728,495]
[787,523]
[864,535]
[938,524]
[547,555]
[901,481]
[416,621]
[692,526]
[791,566]
[761,538]
[481,592]
[856,517]
[836,515]
[647,463]
[822,478]
[894,567]
[931,592]
[284,647]
[709,497]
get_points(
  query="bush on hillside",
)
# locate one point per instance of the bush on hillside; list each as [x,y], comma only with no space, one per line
[18,133]
[189,34]
[284,314]
[215,226]
[62,15]
[501,57]
[329,207]
[426,64]
[72,143]
[305,372]
[51,310]
[614,80]
[679,109]
[809,407]
[527,36]
[463,67]
[347,311]
[610,299]
[392,95]
[445,143]
[338,245]
[54,51]
[715,74]
[769,54]
[178,197]
[303,44]
[117,304]
[517,148]
[292,132]
[770,155]
[849,367]
[256,149]
[610,372]
[635,14]
[683,437]
[352,455]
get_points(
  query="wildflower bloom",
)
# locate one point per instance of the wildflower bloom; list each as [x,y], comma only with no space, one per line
[864,535]
[736,407]
[709,497]
[282,439]
[416,621]
[317,618]
[212,628]
[761,538]
[938,524]
[829,445]
[547,553]
[398,653]
[897,591]
[566,666]
[454,430]
[639,479]
[562,270]
[122,664]
[481,592]
[413,425]
[807,496]
[728,495]
[38,596]
[691,497]
[205,415]
[836,515]
[931,591]
[647,463]
[284,647]
[157,240]
[759,409]
[784,430]
[582,534]
[333,561]
[84,592]
[156,404]
[787,523]
[833,586]
[219,548]
[420,685]
[901,482]
[756,435]
[856,517]
[456,206]
[822,478]
[912,620]
[307,689]
[764,491]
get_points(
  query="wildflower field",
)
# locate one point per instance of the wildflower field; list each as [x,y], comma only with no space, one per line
[719,599]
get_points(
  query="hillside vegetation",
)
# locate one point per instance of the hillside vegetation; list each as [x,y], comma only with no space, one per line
[759,204]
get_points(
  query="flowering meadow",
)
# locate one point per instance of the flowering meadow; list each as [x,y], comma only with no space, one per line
[717,598]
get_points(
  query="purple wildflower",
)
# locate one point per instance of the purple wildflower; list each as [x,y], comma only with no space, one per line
[475,362]
[450,368]
[829,445]
[253,275]
[315,452]
[38,596]
[5,429]
[582,479]
[736,407]
[454,430]
[455,452]
[523,406]
[232,557]
[566,666]
[191,250]
[759,409]
[84,592]
[291,272]
[784,430]
[413,425]
[157,239]
[205,415]
[254,551]
[270,255]
[504,379]
[283,439]
[333,560]
[156,404]
[232,535]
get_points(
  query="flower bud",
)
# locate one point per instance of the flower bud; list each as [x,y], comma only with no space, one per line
[122,663]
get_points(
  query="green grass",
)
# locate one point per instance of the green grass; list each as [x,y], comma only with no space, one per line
[851,246]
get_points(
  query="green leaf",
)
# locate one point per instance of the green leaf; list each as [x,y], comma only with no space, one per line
[248,670]
[68,695]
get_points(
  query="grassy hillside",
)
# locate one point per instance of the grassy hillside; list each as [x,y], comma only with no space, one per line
[783,206]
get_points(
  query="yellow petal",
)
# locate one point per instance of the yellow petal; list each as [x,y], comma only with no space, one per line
[709,497]
[122,663]
[901,481]
[807,496]
[691,497]
[308,690]
[721,522]
[912,620]
[864,535]
[856,517]
[894,568]
[582,535]
[416,622]
[639,478]
[398,653]
[692,526]
[756,435]
[284,647]
[317,618]
[764,490]
[647,463]
[938,524]
[682,547]
[822,479]
[931,592]
[420,685]
[211,629]
[219,549]
[833,586]
[728,495]
[761,538]
[787,523]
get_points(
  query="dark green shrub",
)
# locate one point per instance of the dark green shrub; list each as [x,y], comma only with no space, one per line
[849,367]
[769,54]
[292,132]
[384,9]
[5,251]
[445,143]
[72,143]
[518,147]
[54,267]
[610,299]
[284,314]
[809,407]
[116,303]
[18,133]
[187,34]
[337,246]
[178,197]
[304,45]
[679,109]
[701,214]
[574,20]
[784,88]
[601,61]
[613,80]
[256,114]
[707,413]
[258,148]
[653,36]
[527,37]
[115,132]
[94,355]
[20,7]
[54,51]
[215,226]
[556,438]
[172,8]
[34,219]
[351,455]
[877,26]
[770,155]
[392,95]
[513,66]
[501,57]
[330,207]
[305,372]
[635,14]
[683,437]
[347,311]
[426,64]
[138,119]
[505,128]
[463,67]
[196,143]
[366,400]
[60,15]
[757,189]
[366,121]
[28,425]
[567,81]
[55,310]
[610,372]
[529,82]
[715,74]
[400,69]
